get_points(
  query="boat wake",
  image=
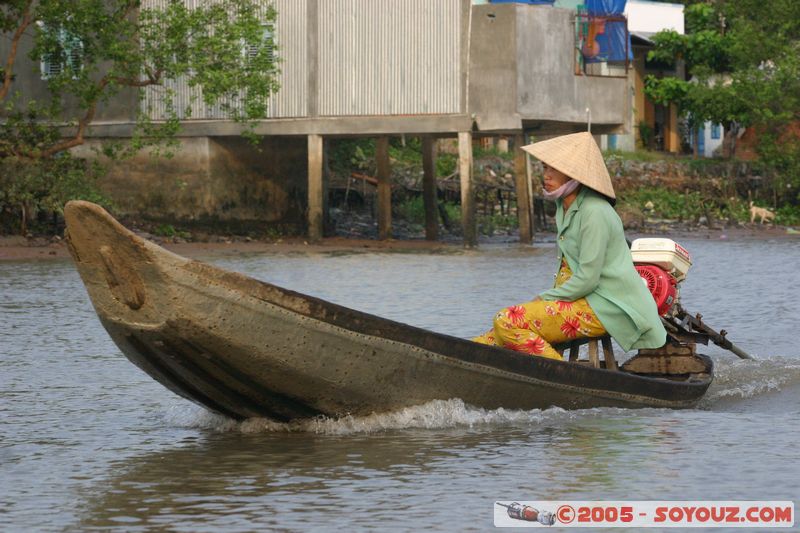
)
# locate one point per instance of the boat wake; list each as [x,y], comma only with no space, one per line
[437,414]
[735,378]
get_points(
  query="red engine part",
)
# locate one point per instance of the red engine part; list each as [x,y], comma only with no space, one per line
[661,285]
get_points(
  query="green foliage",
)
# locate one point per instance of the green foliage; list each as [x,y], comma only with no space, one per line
[745,60]
[102,49]
[168,230]
[489,223]
[665,90]
[687,206]
[347,155]
[408,153]
[46,185]
[666,204]
[788,215]
[165,230]
[480,153]
[446,165]
[700,17]
[453,211]
[780,160]
[413,210]
[646,134]
[638,155]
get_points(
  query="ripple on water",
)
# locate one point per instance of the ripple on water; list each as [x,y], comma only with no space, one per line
[88,442]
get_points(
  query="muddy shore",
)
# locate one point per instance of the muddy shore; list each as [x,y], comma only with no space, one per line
[17,248]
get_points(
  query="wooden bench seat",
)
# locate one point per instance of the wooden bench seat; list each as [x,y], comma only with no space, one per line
[594,357]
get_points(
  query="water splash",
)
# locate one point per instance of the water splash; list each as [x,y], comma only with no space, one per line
[437,414]
[735,378]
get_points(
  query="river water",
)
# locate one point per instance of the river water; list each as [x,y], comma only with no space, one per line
[89,442]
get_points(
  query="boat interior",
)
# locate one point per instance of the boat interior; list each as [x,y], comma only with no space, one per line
[675,361]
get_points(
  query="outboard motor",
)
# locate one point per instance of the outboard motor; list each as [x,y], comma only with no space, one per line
[662,264]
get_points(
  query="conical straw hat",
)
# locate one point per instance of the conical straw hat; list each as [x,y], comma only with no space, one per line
[577,156]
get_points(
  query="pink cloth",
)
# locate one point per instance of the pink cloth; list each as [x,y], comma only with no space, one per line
[562,191]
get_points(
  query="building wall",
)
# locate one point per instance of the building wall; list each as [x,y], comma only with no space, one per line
[522,73]
[213,179]
[711,142]
[493,68]
[383,57]
[548,88]
[651,17]
[354,58]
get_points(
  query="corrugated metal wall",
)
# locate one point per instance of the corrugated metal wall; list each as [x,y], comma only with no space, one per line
[290,101]
[376,57]
[389,57]
[291,40]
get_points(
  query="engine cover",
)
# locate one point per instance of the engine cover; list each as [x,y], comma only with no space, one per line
[661,285]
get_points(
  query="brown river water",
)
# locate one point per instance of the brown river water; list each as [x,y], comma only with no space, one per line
[89,442]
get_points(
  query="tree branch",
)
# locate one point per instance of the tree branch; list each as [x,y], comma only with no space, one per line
[8,71]
[83,123]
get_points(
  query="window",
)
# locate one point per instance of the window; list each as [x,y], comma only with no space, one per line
[67,56]
[715,131]
[268,38]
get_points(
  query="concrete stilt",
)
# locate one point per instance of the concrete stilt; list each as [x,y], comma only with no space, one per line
[384,188]
[468,219]
[315,187]
[429,196]
[523,200]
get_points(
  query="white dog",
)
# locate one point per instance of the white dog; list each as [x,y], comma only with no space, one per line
[761,212]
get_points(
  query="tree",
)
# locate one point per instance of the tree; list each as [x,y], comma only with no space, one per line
[96,50]
[741,60]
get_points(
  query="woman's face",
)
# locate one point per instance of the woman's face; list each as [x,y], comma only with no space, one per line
[553,179]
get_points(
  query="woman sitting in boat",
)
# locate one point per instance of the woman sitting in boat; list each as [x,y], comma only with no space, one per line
[597,289]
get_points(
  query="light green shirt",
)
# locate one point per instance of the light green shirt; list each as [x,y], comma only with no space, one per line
[592,240]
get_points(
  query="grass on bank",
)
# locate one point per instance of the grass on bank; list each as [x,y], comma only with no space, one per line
[692,205]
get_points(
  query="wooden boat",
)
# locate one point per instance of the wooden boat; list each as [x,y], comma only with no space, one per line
[245,348]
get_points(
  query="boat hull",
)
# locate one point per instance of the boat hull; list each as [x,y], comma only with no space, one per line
[246,348]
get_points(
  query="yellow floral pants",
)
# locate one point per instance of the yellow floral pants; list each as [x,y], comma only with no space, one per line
[532,327]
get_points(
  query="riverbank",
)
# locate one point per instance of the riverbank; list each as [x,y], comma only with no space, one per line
[17,248]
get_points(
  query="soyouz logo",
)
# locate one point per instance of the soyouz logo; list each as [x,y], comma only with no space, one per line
[662,514]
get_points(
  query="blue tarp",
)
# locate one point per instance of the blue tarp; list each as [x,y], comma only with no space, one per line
[605,7]
[614,39]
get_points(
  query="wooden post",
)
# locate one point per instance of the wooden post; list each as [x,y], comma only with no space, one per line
[593,357]
[674,137]
[574,351]
[315,187]
[521,182]
[468,219]
[328,227]
[429,196]
[531,194]
[384,188]
[608,353]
